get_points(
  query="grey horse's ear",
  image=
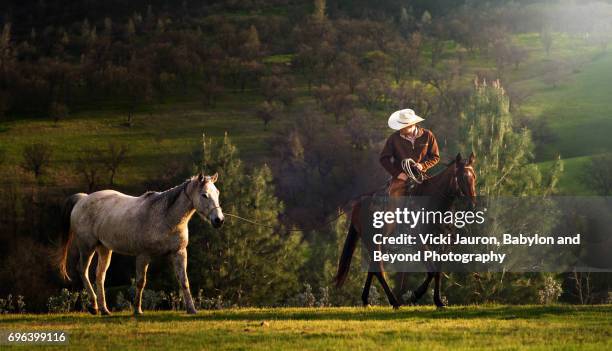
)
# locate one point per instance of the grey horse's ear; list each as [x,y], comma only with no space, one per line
[471,159]
[200,177]
[458,158]
[214,177]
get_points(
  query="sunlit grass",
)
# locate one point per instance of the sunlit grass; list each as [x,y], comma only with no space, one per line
[457,328]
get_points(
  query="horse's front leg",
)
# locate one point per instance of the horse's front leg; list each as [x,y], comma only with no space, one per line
[142,264]
[104,259]
[179,260]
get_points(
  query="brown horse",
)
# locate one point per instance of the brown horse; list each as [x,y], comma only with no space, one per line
[458,180]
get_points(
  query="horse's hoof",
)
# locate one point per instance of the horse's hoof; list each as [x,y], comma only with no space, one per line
[396,307]
[192,311]
[440,306]
[92,310]
[138,313]
[366,305]
[105,312]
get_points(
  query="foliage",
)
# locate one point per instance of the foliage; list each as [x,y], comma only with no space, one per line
[242,263]
[599,174]
[504,168]
[65,302]
[550,292]
[504,154]
[12,305]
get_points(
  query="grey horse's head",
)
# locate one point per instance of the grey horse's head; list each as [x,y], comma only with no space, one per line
[205,198]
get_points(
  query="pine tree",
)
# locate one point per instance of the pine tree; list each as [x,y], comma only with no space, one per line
[243,263]
[504,168]
[504,154]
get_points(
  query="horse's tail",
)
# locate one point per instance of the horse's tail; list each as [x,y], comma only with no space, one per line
[347,254]
[68,234]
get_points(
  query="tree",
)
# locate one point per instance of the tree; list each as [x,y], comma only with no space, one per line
[58,111]
[114,156]
[546,38]
[504,168]
[90,166]
[252,45]
[371,92]
[267,112]
[244,264]
[277,88]
[319,10]
[210,91]
[37,157]
[414,52]
[336,100]
[599,174]
[504,154]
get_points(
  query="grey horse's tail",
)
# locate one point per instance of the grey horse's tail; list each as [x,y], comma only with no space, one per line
[68,234]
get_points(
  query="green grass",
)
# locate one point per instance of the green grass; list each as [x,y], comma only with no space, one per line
[169,132]
[423,328]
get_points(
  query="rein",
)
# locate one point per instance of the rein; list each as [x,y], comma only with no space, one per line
[342,213]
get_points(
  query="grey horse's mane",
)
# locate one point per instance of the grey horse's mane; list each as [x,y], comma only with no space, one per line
[168,197]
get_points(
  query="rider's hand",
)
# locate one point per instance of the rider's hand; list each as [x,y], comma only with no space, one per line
[419,167]
[402,176]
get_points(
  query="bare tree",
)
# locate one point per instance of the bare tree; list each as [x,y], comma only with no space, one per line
[114,156]
[58,111]
[583,286]
[37,157]
[90,166]
[267,112]
[547,40]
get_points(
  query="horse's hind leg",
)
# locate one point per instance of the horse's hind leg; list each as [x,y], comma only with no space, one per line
[142,263]
[436,298]
[422,289]
[104,258]
[179,260]
[85,256]
[366,290]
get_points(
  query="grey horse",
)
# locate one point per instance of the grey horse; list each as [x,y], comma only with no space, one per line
[150,225]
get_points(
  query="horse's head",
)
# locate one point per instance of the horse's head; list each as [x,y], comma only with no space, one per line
[464,180]
[205,198]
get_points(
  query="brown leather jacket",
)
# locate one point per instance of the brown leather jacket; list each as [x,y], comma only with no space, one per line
[424,150]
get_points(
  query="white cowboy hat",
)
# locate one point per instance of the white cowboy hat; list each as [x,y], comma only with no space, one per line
[403,118]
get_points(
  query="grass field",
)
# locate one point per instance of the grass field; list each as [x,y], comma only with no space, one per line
[458,328]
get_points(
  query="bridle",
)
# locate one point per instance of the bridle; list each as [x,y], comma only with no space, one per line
[458,188]
[212,208]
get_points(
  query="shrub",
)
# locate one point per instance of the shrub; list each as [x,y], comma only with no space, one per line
[10,305]
[62,303]
[550,291]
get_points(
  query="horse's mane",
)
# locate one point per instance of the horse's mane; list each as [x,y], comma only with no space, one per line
[168,197]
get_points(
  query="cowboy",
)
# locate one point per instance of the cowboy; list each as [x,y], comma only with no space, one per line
[409,142]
